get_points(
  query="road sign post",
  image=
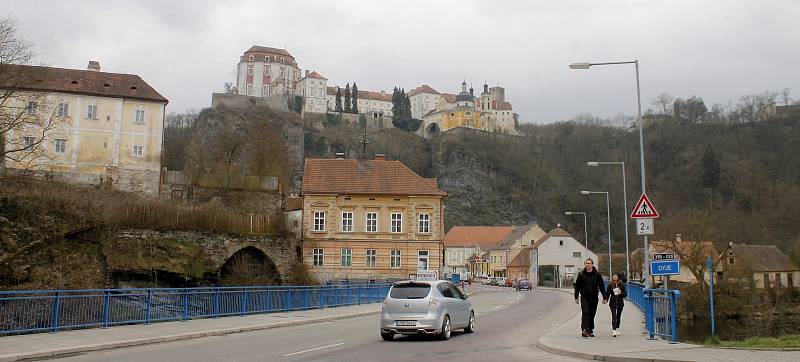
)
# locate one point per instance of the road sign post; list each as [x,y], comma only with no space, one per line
[644,213]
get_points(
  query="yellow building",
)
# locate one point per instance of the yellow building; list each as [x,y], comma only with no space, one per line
[373,219]
[84,126]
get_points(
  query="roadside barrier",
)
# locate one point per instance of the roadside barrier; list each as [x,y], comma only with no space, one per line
[660,310]
[53,310]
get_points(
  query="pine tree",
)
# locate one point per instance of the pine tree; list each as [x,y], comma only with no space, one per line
[354,108]
[347,98]
[338,100]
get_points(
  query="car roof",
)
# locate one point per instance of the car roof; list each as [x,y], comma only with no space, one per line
[431,282]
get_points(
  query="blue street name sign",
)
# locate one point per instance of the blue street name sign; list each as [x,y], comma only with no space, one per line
[665,267]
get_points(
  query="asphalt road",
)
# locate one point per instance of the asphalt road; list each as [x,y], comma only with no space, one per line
[508,325]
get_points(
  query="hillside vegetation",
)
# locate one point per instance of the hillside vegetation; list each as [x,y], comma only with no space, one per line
[722,182]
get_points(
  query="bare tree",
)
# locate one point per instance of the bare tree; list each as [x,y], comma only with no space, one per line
[785,95]
[663,104]
[26,116]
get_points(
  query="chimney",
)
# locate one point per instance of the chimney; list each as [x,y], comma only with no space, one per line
[307,71]
[339,156]
[93,65]
[678,237]
[380,157]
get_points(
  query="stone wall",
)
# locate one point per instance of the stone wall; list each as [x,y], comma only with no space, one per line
[278,103]
[145,182]
[174,250]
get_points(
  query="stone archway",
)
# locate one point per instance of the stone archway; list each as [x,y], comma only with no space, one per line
[249,266]
[432,130]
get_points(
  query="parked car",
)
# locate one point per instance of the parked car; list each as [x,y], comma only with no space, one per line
[524,284]
[494,281]
[431,308]
[508,282]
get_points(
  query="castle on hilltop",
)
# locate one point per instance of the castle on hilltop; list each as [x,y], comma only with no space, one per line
[270,72]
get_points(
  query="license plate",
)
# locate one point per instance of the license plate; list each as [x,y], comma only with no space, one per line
[406,323]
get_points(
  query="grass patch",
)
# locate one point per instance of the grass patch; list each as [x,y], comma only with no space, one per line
[787,341]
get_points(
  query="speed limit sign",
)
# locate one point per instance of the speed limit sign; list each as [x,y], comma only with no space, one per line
[644,226]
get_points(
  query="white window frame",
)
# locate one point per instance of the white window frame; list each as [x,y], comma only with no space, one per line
[248,89]
[424,223]
[395,260]
[346,257]
[423,257]
[250,70]
[140,152]
[63,145]
[318,257]
[397,222]
[319,221]
[371,224]
[371,258]
[31,108]
[91,112]
[28,142]
[347,221]
[250,58]
[137,113]
[62,109]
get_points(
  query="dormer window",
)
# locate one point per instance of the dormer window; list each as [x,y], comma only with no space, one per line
[251,58]
[283,61]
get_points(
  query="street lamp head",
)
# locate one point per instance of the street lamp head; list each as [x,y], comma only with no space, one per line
[592,163]
[580,65]
[585,193]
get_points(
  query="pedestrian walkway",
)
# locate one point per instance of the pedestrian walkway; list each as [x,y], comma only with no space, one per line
[13,348]
[633,344]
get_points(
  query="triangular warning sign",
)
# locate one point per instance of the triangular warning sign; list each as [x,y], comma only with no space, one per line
[644,209]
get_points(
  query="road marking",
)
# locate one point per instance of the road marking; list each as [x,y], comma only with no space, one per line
[313,349]
[499,306]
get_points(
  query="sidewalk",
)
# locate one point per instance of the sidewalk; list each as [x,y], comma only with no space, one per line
[633,344]
[13,348]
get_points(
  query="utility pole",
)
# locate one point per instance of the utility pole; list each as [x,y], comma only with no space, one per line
[364,142]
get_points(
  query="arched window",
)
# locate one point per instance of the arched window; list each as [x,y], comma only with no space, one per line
[250,58]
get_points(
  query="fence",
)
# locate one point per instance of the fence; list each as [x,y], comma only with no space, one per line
[660,309]
[54,310]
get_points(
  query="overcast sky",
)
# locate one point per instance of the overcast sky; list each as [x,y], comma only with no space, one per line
[718,50]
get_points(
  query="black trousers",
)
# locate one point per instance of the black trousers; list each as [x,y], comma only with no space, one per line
[616,316]
[588,310]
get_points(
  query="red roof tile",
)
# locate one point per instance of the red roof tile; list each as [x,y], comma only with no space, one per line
[364,94]
[316,75]
[372,177]
[449,97]
[422,89]
[87,82]
[484,236]
[503,106]
[558,232]
[259,50]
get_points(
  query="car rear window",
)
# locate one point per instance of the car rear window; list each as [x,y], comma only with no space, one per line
[410,291]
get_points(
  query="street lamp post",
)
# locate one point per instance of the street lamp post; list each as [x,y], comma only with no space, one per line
[585,230]
[608,216]
[625,210]
[646,271]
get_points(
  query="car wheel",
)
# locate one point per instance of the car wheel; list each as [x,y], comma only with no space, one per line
[445,334]
[471,326]
[387,336]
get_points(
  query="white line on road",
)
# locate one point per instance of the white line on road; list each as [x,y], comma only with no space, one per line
[499,306]
[313,349]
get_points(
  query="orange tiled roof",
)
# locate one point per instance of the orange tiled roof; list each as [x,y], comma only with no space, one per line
[503,106]
[422,89]
[523,258]
[372,177]
[364,94]
[88,82]
[293,203]
[449,97]
[316,75]
[484,236]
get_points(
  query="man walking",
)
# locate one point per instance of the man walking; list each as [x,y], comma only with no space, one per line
[587,285]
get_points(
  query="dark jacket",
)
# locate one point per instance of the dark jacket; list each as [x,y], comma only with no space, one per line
[616,300]
[589,284]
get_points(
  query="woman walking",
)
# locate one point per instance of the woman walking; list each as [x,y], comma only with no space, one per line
[616,300]
[587,285]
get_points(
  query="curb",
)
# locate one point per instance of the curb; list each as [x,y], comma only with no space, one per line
[589,356]
[172,338]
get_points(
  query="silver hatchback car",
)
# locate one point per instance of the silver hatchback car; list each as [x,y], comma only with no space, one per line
[425,307]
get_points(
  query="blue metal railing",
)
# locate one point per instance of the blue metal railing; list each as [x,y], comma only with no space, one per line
[54,310]
[660,308]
